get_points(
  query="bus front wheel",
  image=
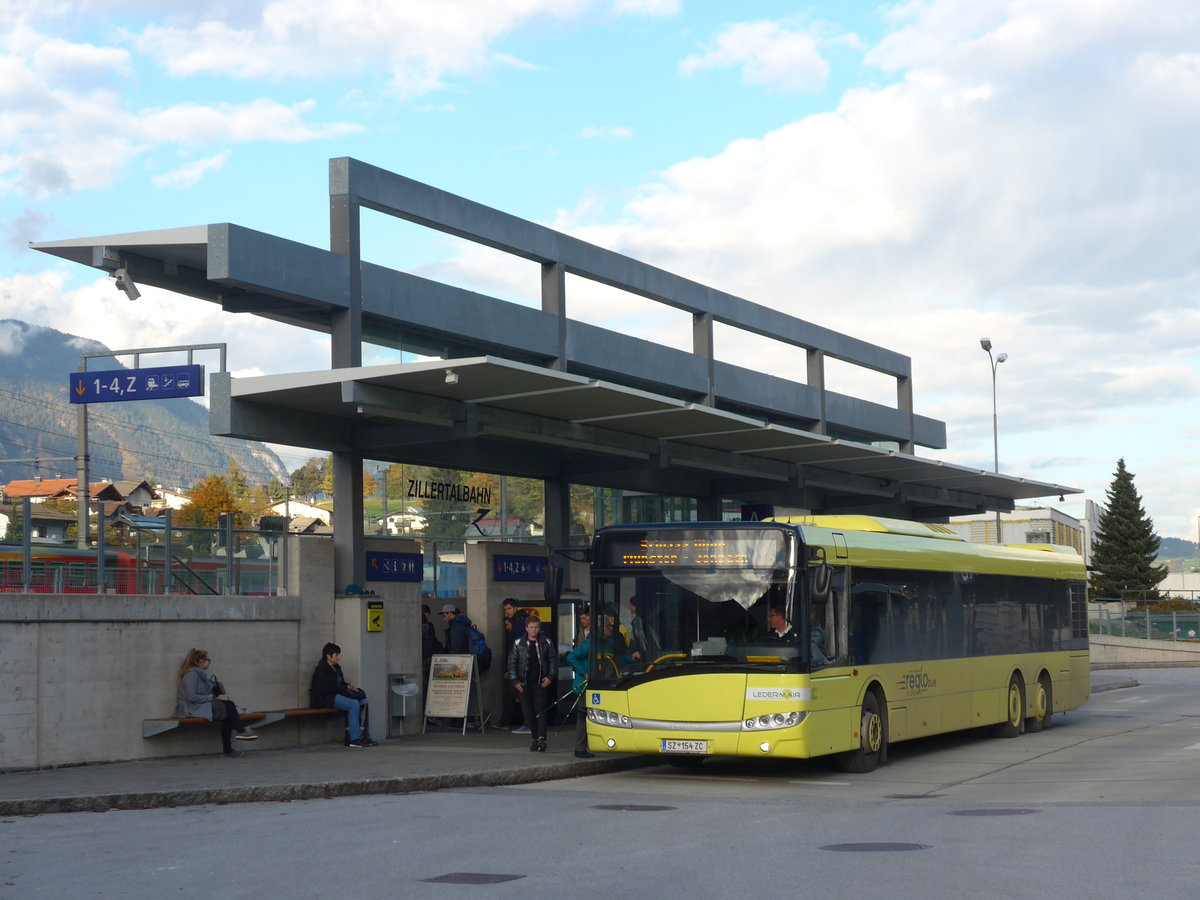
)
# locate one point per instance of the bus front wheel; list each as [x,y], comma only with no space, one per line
[872,735]
[1014,710]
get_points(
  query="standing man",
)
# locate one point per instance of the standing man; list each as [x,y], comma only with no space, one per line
[456,629]
[429,646]
[532,668]
[514,630]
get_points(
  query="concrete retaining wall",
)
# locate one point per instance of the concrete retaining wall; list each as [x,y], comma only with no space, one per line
[1110,650]
[82,671]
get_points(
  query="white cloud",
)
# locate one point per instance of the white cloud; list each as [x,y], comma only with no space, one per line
[189,174]
[64,124]
[420,42]
[158,319]
[768,55]
[610,132]
[513,62]
[646,7]
[78,65]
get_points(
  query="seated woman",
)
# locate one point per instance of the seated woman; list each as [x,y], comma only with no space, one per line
[201,696]
[330,690]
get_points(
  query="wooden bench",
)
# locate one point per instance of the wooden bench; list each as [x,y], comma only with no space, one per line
[261,719]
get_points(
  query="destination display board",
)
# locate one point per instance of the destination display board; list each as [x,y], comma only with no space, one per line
[716,548]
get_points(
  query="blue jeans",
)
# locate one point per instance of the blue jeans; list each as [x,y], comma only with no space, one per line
[352,708]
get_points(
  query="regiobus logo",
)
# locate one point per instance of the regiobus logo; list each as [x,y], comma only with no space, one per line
[785,694]
[918,682]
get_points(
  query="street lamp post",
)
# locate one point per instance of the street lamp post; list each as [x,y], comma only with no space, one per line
[995,361]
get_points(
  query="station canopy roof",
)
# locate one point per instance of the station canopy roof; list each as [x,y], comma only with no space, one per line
[530,392]
[492,414]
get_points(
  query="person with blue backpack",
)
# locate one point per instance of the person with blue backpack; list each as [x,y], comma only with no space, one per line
[463,637]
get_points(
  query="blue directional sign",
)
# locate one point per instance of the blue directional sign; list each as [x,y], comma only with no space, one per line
[159,383]
[388,566]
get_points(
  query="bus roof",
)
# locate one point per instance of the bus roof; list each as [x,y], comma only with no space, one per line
[873,523]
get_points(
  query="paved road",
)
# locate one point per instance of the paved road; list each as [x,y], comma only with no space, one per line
[1102,806]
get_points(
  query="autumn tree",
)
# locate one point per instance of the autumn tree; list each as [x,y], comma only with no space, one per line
[236,479]
[210,498]
[370,485]
[1125,553]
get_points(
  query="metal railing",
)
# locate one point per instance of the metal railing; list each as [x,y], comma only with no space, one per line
[158,558]
[1146,623]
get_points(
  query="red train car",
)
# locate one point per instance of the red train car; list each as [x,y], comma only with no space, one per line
[61,569]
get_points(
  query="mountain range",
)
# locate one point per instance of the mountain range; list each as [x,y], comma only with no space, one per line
[162,441]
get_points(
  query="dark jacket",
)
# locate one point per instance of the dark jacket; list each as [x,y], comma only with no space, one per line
[514,629]
[429,642]
[456,635]
[518,658]
[327,683]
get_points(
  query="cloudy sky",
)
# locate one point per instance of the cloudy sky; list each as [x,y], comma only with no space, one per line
[917,174]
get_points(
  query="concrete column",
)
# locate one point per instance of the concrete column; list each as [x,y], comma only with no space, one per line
[554,301]
[816,381]
[485,598]
[558,513]
[702,345]
[348,558]
[345,237]
[310,580]
[904,402]
[708,509]
[402,607]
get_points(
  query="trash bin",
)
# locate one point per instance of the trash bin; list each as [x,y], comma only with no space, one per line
[404,699]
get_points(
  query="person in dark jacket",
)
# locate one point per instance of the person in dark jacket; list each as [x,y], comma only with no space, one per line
[532,668]
[430,646]
[514,630]
[456,629]
[329,689]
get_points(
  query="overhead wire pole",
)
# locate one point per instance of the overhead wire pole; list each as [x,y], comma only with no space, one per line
[986,344]
[83,494]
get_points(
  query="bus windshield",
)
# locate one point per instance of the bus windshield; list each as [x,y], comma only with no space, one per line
[722,597]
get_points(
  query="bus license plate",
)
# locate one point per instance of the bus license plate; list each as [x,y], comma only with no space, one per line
[685,746]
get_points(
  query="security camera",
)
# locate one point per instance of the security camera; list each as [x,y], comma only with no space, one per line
[125,283]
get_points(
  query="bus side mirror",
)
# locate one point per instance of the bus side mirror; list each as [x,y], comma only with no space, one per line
[820,573]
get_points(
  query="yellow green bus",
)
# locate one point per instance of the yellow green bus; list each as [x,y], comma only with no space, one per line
[825,636]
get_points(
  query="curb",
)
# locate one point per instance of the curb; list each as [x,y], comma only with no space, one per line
[1115,685]
[317,790]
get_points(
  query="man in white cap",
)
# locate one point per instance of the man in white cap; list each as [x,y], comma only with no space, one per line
[456,629]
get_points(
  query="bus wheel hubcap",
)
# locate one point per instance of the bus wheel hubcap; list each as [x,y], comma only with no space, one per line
[1039,701]
[1014,704]
[872,732]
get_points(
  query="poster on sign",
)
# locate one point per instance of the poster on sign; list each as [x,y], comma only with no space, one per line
[448,693]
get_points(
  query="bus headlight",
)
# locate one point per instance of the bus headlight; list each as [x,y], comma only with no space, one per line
[773,721]
[608,717]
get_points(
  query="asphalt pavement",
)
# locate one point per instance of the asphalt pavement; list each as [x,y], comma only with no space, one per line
[429,762]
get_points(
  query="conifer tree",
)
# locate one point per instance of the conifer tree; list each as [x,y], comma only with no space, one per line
[1126,547]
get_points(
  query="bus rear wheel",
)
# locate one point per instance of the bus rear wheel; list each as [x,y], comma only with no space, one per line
[1014,710]
[872,732]
[1043,706]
